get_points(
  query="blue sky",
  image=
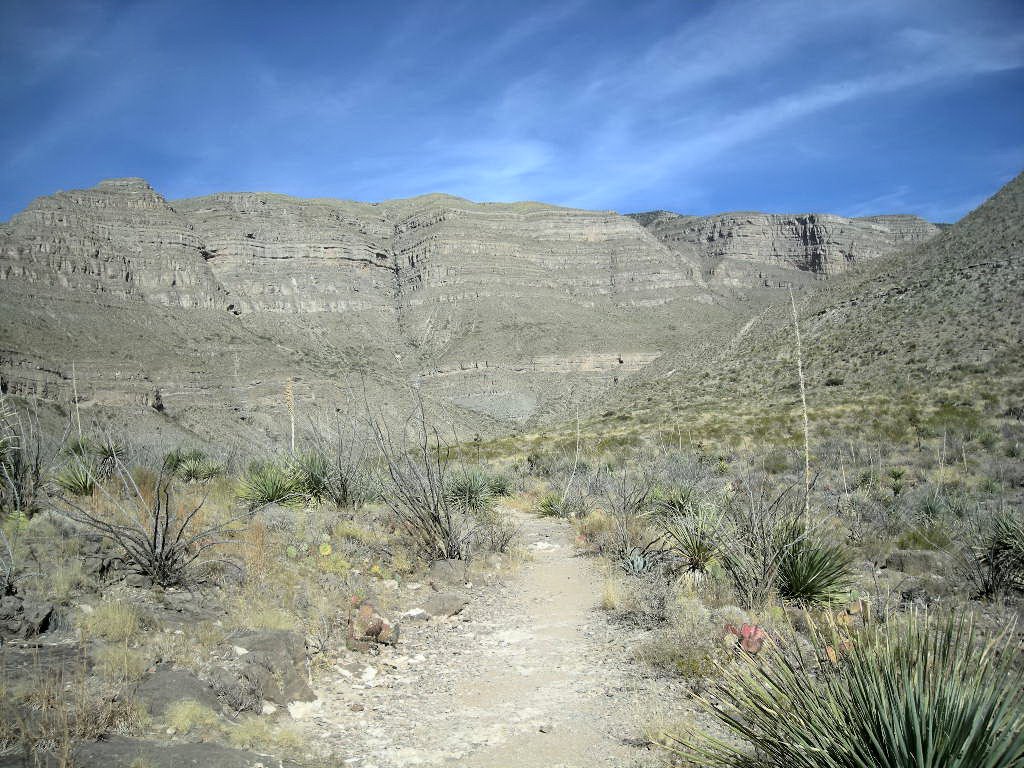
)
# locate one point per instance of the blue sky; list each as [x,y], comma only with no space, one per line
[697,107]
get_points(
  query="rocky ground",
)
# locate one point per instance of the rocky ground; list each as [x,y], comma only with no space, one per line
[529,673]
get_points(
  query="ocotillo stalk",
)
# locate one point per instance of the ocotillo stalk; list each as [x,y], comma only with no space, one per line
[803,403]
[289,398]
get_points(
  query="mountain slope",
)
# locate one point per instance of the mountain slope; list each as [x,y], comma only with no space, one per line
[938,325]
[502,315]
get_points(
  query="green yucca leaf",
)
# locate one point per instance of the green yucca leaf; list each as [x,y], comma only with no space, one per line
[915,693]
[814,574]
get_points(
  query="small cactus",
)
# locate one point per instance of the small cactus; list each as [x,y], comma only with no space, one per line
[751,637]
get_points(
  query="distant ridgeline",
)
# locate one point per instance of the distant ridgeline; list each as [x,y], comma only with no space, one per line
[192,315]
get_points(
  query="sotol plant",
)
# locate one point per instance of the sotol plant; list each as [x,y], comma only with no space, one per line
[917,693]
[812,573]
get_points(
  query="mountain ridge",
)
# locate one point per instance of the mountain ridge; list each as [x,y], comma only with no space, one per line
[501,313]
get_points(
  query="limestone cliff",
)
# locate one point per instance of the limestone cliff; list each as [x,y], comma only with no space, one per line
[498,313]
[747,249]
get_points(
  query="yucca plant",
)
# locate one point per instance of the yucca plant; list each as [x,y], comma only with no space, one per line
[993,560]
[78,477]
[499,485]
[78,446]
[108,455]
[550,505]
[914,693]
[695,536]
[196,469]
[812,573]
[271,482]
[314,473]
[470,488]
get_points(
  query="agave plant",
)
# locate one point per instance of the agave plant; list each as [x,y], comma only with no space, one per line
[913,693]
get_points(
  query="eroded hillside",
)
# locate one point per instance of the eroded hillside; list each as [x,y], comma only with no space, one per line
[194,314]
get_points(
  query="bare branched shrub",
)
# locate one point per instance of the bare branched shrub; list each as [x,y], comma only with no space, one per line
[415,489]
[628,504]
[25,462]
[348,478]
[759,530]
[165,541]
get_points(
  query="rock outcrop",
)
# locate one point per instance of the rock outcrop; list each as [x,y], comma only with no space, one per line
[760,249]
[192,316]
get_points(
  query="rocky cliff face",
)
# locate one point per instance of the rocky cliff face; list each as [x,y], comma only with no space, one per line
[119,240]
[498,312]
[749,249]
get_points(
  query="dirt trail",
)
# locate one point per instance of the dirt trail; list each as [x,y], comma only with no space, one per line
[530,675]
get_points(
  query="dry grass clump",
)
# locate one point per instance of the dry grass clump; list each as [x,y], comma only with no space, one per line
[189,716]
[116,621]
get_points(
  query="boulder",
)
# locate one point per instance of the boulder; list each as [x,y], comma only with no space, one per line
[444,604]
[446,573]
[274,662]
[168,685]
[368,627]
[24,617]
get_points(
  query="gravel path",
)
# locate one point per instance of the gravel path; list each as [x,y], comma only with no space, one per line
[531,674]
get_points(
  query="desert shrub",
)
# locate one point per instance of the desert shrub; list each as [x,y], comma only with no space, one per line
[271,482]
[759,523]
[992,558]
[628,505]
[25,463]
[349,479]
[189,715]
[496,532]
[415,490]
[116,621]
[470,487]
[918,692]
[78,477]
[168,542]
[813,574]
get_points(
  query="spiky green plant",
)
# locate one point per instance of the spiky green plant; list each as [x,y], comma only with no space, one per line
[694,536]
[499,485]
[470,488]
[992,562]
[814,574]
[914,693]
[196,469]
[271,482]
[314,474]
[79,446]
[109,454]
[78,478]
